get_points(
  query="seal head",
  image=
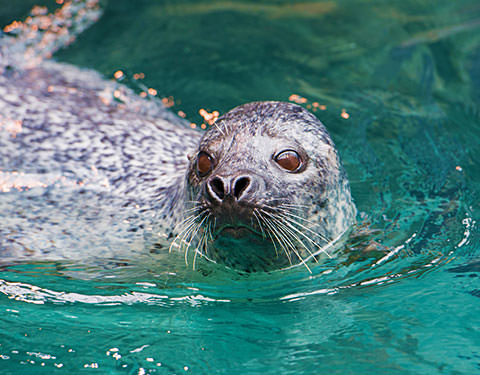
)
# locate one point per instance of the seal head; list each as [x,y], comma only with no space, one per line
[266,190]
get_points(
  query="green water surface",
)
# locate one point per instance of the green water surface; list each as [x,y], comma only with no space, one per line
[400,82]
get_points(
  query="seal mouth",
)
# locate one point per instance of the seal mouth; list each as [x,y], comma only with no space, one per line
[243,248]
[237,231]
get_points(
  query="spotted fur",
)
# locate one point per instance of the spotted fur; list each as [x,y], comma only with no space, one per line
[75,162]
[90,170]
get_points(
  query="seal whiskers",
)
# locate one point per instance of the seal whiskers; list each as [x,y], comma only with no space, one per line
[186,225]
[285,226]
[260,218]
[203,243]
[280,240]
[285,237]
[219,129]
[292,219]
[190,228]
[194,233]
[291,224]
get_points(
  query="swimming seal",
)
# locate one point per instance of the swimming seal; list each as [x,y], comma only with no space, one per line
[90,169]
[262,189]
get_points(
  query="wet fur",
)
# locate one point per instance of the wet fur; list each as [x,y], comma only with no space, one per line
[86,175]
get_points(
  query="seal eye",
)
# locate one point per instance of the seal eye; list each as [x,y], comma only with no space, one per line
[289,160]
[204,164]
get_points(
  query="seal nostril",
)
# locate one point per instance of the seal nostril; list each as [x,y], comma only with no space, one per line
[216,185]
[239,186]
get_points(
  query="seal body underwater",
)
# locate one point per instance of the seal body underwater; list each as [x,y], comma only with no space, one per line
[88,169]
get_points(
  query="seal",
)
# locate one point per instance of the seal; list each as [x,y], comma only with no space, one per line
[88,169]
[267,188]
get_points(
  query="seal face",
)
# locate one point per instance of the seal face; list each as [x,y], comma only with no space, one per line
[266,189]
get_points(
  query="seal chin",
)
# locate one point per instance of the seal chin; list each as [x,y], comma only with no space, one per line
[244,249]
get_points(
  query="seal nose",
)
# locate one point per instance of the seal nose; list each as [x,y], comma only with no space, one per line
[218,188]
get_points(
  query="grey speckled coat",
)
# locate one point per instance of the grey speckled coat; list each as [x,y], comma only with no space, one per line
[90,170]
[79,170]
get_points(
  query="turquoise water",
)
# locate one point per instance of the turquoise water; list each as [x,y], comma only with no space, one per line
[400,86]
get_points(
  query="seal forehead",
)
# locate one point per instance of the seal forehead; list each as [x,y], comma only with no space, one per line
[272,119]
[259,116]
